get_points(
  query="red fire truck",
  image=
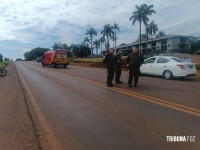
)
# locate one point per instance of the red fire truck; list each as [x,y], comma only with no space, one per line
[55,58]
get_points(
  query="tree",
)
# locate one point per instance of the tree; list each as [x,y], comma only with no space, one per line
[116,28]
[60,46]
[148,11]
[160,34]
[91,32]
[138,15]
[6,59]
[96,45]
[101,40]
[1,57]
[108,32]
[56,46]
[113,39]
[195,45]
[73,49]
[85,42]
[152,29]
[84,51]
[35,53]
[79,50]
[65,47]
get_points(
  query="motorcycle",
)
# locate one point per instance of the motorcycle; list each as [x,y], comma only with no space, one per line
[3,72]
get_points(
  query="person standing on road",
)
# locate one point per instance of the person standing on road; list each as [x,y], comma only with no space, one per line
[118,67]
[133,62]
[109,61]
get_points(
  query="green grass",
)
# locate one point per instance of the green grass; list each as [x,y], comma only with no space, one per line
[3,64]
[88,60]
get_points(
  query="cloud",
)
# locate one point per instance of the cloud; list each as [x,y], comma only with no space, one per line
[27,24]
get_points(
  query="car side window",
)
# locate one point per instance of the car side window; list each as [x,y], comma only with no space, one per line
[151,60]
[162,60]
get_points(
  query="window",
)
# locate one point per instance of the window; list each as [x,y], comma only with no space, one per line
[64,56]
[162,60]
[58,55]
[151,60]
[177,59]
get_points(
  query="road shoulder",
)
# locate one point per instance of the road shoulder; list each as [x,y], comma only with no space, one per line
[17,128]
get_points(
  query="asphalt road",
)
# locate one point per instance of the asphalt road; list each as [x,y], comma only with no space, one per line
[81,113]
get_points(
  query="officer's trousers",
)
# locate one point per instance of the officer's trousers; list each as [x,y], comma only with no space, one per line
[131,75]
[118,71]
[110,75]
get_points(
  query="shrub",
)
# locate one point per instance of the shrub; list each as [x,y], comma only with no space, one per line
[198,66]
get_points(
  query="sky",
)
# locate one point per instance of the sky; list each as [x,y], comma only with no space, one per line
[26,24]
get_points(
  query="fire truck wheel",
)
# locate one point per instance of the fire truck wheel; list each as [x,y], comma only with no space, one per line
[52,65]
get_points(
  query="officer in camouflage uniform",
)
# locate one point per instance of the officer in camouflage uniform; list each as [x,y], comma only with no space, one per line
[109,61]
[133,62]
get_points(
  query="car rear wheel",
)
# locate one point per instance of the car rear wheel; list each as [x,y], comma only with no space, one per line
[167,75]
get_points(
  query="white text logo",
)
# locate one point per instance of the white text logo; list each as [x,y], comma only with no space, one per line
[180,138]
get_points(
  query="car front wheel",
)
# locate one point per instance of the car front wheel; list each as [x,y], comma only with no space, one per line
[167,75]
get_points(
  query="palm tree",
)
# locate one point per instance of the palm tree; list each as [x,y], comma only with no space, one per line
[108,32]
[86,40]
[152,29]
[116,27]
[113,39]
[138,15]
[147,10]
[101,40]
[91,32]
[96,45]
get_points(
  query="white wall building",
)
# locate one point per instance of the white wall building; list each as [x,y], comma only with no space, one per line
[166,44]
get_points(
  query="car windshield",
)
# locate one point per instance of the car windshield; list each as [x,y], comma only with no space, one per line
[177,59]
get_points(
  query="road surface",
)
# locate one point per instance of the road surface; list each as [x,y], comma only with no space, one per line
[80,113]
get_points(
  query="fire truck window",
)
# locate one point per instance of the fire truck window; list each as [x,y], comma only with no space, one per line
[58,55]
[64,55]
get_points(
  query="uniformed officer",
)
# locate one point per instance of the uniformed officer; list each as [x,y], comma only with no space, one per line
[109,60]
[133,62]
[118,67]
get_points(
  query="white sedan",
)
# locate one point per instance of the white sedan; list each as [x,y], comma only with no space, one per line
[168,67]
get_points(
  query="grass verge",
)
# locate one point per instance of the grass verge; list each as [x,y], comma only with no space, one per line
[88,60]
[3,64]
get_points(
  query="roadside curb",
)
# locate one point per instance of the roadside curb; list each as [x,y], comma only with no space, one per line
[43,130]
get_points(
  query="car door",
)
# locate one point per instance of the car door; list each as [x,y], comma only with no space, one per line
[148,66]
[161,64]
